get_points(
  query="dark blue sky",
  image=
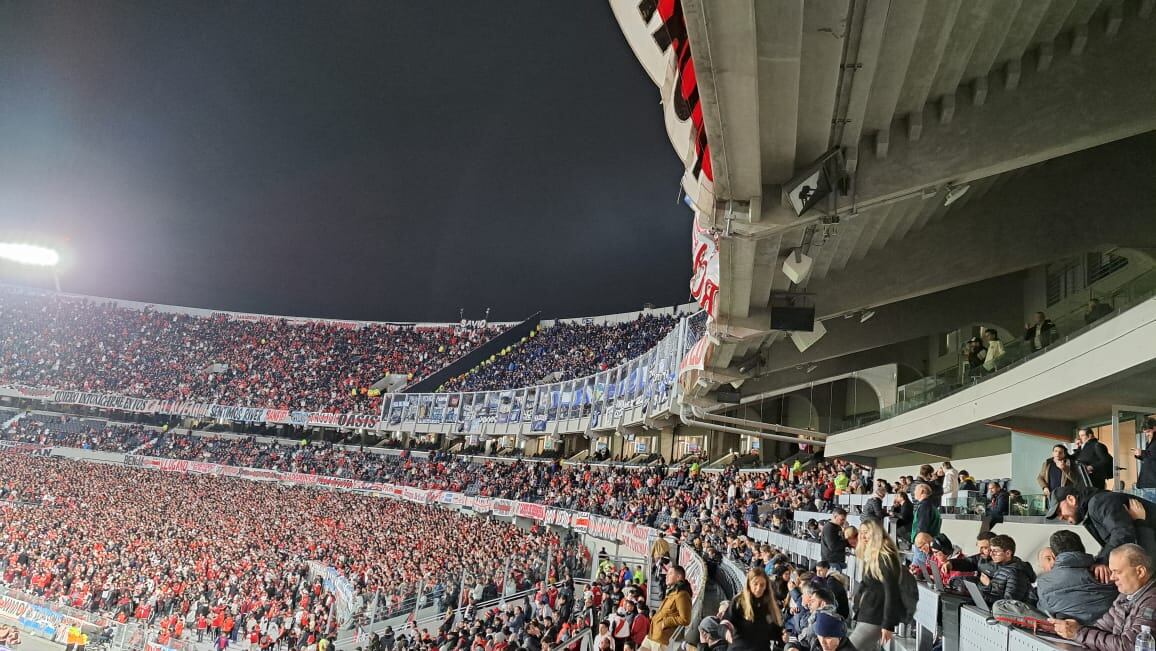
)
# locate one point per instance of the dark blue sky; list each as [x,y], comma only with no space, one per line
[373,160]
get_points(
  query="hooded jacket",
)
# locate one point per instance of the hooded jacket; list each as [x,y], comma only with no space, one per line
[674,612]
[1070,591]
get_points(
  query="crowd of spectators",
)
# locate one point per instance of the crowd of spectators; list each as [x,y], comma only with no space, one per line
[565,351]
[73,343]
[174,549]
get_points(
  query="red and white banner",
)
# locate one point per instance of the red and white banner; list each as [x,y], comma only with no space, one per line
[532,511]
[656,32]
[704,279]
[503,508]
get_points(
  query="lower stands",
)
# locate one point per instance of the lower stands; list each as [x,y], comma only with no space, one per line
[938,614]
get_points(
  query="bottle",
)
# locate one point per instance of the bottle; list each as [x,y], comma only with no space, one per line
[1144,641]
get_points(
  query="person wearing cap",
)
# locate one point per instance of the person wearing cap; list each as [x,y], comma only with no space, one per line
[1113,519]
[713,634]
[830,634]
[1147,456]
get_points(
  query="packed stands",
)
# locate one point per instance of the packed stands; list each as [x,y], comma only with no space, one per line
[74,343]
[144,546]
[565,351]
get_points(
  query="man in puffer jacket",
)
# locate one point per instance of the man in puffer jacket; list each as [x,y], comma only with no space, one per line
[1117,630]
[1012,578]
[1070,590]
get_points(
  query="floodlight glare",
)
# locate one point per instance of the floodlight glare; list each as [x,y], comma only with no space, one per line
[29,254]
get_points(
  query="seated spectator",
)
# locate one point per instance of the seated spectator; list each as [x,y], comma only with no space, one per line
[1070,590]
[713,634]
[982,558]
[1046,559]
[1117,629]
[998,506]
[833,583]
[967,482]
[819,601]
[830,634]
[1096,311]
[1012,578]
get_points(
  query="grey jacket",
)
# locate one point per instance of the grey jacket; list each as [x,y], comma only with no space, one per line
[1070,591]
[807,635]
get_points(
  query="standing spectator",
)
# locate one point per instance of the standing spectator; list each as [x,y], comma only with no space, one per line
[674,611]
[1070,590]
[1096,311]
[974,352]
[1147,456]
[1056,471]
[833,545]
[754,615]
[1135,607]
[1040,333]
[950,482]
[878,604]
[1113,519]
[995,351]
[998,506]
[927,518]
[1094,457]
[1012,578]
[873,507]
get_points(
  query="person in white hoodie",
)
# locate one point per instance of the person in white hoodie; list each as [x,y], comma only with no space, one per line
[950,484]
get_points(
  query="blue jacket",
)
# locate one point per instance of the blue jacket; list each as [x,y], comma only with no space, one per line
[1070,590]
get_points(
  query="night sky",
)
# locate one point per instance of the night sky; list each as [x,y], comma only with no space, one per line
[362,160]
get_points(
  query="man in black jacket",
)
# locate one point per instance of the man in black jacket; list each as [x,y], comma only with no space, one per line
[1094,455]
[998,506]
[1012,578]
[833,545]
[1147,456]
[1113,519]
[873,507]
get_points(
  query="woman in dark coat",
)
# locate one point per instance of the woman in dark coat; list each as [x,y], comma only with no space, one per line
[878,604]
[754,615]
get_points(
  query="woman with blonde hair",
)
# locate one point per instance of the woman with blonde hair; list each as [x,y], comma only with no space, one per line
[754,615]
[878,605]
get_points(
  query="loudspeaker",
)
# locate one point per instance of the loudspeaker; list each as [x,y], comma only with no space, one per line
[728,396]
[797,266]
[785,317]
[804,340]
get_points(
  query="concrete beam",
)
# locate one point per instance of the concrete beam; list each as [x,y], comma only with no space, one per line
[1107,94]
[1040,426]
[1044,214]
[930,449]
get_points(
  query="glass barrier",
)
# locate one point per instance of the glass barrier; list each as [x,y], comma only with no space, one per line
[1068,326]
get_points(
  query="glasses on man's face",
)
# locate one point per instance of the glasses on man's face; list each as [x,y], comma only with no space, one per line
[996,551]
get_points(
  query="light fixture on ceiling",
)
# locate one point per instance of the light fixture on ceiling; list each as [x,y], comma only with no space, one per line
[954,192]
[866,316]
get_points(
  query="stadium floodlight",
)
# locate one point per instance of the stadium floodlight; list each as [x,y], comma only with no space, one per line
[29,254]
[32,255]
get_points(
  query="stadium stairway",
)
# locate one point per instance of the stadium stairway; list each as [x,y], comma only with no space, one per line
[475,357]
